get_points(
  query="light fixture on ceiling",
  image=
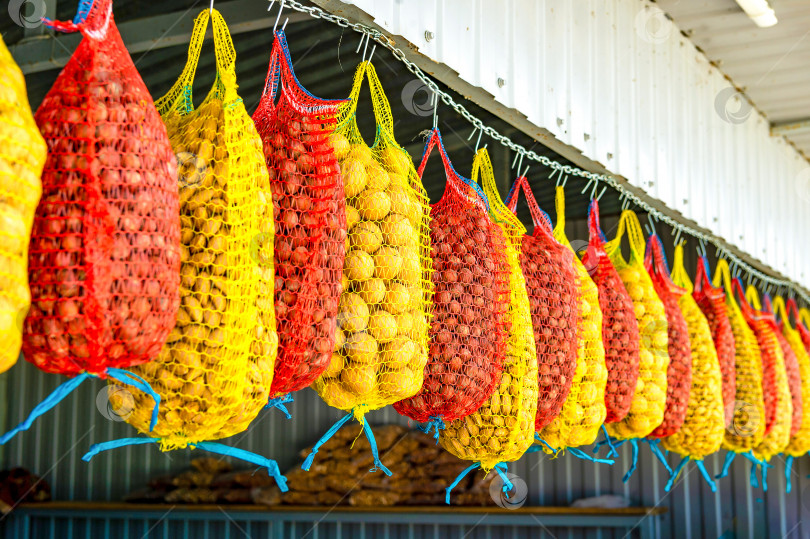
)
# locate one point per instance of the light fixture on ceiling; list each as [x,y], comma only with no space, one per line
[759,11]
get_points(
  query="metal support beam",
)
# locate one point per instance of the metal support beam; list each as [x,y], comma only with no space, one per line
[41,53]
[793,127]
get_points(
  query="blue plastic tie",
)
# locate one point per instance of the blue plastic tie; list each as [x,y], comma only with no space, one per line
[458,479]
[331,432]
[95,449]
[83,11]
[437,423]
[378,465]
[580,454]
[545,443]
[270,464]
[626,478]
[765,477]
[279,402]
[507,484]
[47,403]
[702,468]
[607,441]
[788,467]
[753,476]
[657,452]
[130,378]
[726,465]
[674,475]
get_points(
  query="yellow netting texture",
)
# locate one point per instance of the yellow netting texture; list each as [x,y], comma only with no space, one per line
[381,336]
[800,441]
[22,156]
[777,439]
[747,427]
[214,372]
[649,400]
[503,428]
[584,410]
[702,431]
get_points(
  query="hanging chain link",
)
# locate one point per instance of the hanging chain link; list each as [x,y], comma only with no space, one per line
[556,167]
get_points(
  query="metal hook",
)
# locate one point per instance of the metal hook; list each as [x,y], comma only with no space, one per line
[626,201]
[565,180]
[595,189]
[436,114]
[520,162]
[362,39]
[278,17]
[599,196]
[526,171]
[478,142]
[678,231]
[212,7]
[652,224]
[587,186]
[373,48]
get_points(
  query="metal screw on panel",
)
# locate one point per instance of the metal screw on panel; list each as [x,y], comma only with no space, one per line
[610,155]
[429,35]
[587,136]
[501,82]
[559,122]
[651,183]
[715,219]
[686,201]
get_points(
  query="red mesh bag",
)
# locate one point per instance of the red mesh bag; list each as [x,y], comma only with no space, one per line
[470,325]
[764,328]
[553,289]
[619,325]
[679,348]
[105,251]
[309,209]
[794,378]
[712,303]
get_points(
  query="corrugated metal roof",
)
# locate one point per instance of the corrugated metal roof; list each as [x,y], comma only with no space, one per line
[771,65]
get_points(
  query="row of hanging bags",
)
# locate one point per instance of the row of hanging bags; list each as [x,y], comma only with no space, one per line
[620,331]
[798,338]
[215,372]
[791,361]
[104,256]
[470,324]
[649,400]
[22,157]
[701,432]
[775,388]
[309,217]
[502,429]
[712,303]
[387,295]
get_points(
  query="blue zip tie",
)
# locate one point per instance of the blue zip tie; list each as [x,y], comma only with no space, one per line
[674,475]
[626,478]
[702,468]
[607,441]
[331,432]
[95,449]
[279,402]
[458,479]
[657,452]
[248,456]
[56,396]
[507,484]
[436,422]
[726,465]
[580,454]
[130,378]
[788,467]
[545,443]
[378,465]
[765,476]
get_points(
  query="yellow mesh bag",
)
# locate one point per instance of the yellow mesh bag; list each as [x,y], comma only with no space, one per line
[649,400]
[22,156]
[503,428]
[747,427]
[584,410]
[777,439]
[800,441]
[381,340]
[702,431]
[214,373]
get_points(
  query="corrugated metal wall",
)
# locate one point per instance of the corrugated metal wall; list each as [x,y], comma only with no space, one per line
[617,80]
[54,446]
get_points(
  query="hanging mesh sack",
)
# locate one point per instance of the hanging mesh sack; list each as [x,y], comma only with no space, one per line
[797,368]
[584,410]
[747,427]
[468,333]
[503,427]
[712,302]
[619,327]
[214,373]
[22,156]
[679,372]
[310,224]
[701,433]
[381,342]
[103,263]
[552,285]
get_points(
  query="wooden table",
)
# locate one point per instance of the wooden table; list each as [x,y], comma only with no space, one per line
[29,520]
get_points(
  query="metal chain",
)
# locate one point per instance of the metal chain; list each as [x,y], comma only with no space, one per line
[678,228]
